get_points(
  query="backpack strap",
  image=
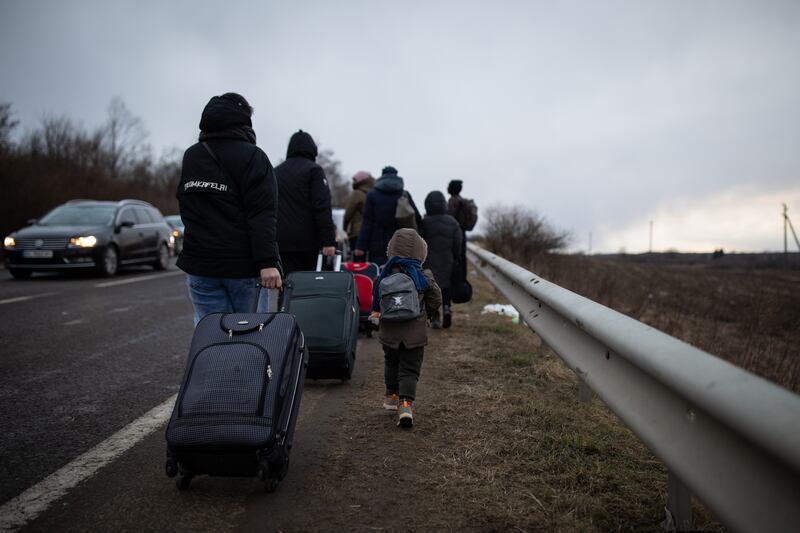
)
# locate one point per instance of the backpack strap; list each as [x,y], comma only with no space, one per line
[225,172]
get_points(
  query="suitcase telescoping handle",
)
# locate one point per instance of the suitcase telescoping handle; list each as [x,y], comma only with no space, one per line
[284,296]
[337,261]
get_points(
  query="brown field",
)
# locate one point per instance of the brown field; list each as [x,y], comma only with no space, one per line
[748,316]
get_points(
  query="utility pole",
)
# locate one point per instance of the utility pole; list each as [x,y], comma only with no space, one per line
[787,223]
[590,244]
[651,237]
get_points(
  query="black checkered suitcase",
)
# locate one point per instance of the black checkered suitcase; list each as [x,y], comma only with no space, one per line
[237,406]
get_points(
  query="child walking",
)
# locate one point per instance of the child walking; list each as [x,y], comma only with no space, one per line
[405,295]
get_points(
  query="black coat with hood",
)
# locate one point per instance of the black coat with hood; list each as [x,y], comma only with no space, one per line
[229,209]
[443,235]
[379,223]
[305,222]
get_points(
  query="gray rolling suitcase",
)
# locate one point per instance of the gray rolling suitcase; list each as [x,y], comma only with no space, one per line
[326,306]
[238,404]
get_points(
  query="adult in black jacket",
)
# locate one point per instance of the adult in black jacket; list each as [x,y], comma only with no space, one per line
[379,222]
[228,201]
[443,235]
[305,222]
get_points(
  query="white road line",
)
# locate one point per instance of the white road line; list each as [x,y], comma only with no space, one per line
[22,509]
[140,278]
[24,298]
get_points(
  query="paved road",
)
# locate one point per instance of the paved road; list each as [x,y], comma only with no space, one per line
[80,359]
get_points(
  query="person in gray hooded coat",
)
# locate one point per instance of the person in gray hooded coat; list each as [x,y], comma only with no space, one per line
[444,236]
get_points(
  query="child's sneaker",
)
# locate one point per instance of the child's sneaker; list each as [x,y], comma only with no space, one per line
[390,402]
[436,321]
[405,413]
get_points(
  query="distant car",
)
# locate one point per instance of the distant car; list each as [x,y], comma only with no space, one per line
[178,229]
[89,234]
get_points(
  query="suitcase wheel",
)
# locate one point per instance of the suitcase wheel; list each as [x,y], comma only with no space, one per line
[183,481]
[171,468]
[263,472]
[270,484]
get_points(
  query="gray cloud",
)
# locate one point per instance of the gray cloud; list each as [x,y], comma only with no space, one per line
[599,114]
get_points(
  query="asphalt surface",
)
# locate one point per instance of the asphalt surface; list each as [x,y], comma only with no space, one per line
[79,361]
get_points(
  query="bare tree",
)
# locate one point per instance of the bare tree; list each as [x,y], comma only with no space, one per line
[58,137]
[7,125]
[520,233]
[125,137]
[340,188]
[61,160]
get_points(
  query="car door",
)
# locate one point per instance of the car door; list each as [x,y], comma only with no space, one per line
[128,238]
[161,229]
[148,231]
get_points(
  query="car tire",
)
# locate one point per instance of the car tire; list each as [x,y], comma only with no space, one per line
[109,262]
[18,273]
[162,258]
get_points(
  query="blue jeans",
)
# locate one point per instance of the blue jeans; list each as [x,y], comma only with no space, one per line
[223,295]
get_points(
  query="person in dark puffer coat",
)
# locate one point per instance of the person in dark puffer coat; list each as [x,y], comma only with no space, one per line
[228,202]
[444,236]
[379,222]
[305,221]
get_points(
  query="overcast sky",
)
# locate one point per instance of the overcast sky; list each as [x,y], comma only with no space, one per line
[600,115]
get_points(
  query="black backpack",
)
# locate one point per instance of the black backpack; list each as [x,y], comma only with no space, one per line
[467,214]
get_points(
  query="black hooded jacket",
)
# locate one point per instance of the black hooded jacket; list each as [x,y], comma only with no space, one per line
[443,235]
[229,211]
[305,222]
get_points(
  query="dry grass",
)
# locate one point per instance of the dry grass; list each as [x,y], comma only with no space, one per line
[748,317]
[500,444]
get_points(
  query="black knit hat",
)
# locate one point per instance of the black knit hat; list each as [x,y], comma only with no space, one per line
[388,169]
[454,187]
[240,101]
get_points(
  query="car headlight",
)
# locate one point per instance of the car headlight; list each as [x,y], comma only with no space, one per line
[176,233]
[83,242]
[9,242]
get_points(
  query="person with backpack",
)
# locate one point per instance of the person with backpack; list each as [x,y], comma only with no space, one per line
[405,295]
[305,220]
[354,212]
[228,200]
[444,237]
[387,207]
[462,209]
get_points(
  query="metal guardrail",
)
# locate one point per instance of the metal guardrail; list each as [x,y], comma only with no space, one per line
[730,436]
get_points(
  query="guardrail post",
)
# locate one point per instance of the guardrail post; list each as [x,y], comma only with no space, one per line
[679,505]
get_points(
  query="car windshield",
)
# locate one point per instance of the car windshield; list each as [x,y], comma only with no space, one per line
[174,221]
[84,215]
